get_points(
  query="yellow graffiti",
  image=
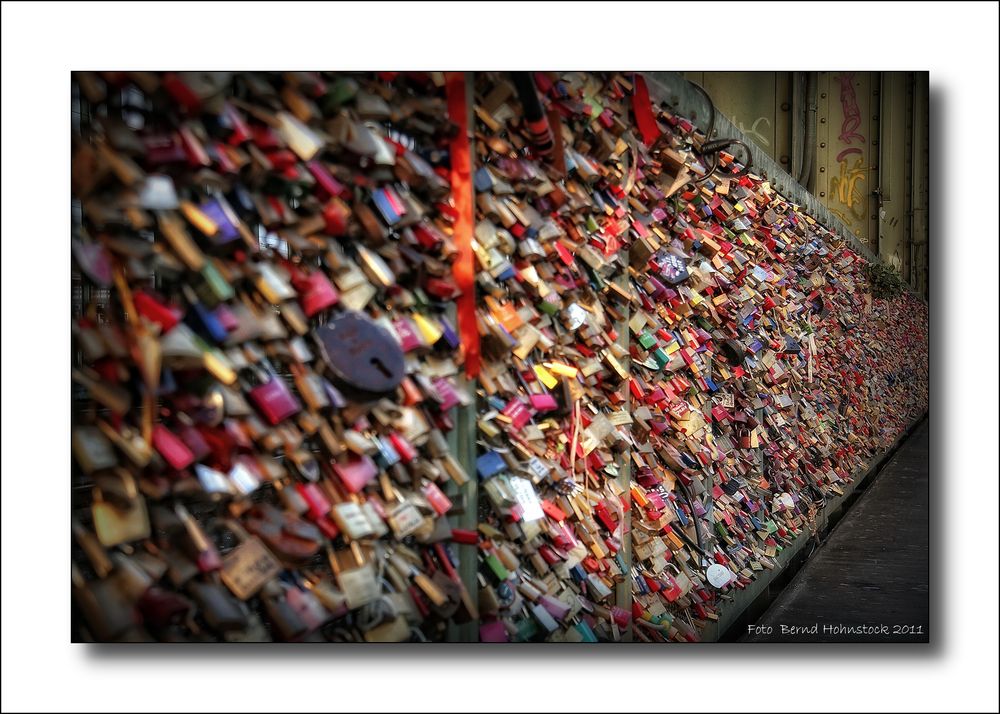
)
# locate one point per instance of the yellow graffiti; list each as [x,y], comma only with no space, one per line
[845,188]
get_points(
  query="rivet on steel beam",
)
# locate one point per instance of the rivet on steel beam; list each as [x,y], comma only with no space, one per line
[823,95]
[822,144]
[822,120]
[784,106]
[822,169]
[822,194]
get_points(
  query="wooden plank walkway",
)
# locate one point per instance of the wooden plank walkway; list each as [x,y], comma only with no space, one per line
[871,574]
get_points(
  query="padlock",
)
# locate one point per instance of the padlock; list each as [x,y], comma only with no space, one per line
[285,534]
[92,450]
[403,516]
[436,498]
[356,472]
[352,520]
[108,609]
[673,590]
[197,542]
[363,358]
[287,623]
[249,565]
[410,573]
[269,393]
[310,387]
[395,629]
[220,609]
[357,579]
[119,510]
[315,292]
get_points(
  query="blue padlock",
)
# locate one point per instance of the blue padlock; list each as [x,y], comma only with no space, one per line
[489,465]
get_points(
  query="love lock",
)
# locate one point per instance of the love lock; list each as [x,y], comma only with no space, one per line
[364,359]
[719,575]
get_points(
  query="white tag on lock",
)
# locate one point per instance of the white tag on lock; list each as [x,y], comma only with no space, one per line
[405,519]
[785,502]
[524,494]
[351,519]
[158,193]
[575,317]
[243,479]
[213,481]
[719,575]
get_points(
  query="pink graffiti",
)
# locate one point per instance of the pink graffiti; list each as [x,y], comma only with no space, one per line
[852,113]
[847,152]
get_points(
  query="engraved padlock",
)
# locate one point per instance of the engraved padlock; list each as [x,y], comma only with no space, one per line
[248,566]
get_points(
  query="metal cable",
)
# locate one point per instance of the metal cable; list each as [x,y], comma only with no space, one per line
[711,147]
[694,517]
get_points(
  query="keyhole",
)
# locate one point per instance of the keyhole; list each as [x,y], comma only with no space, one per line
[380,366]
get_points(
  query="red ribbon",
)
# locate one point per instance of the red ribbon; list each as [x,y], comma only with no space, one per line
[464,267]
[642,108]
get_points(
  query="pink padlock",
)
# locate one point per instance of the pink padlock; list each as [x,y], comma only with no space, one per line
[408,337]
[174,451]
[269,394]
[316,293]
[517,413]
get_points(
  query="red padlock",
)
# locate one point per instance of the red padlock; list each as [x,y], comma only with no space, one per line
[465,537]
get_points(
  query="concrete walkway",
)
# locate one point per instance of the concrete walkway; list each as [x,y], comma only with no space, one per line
[871,574]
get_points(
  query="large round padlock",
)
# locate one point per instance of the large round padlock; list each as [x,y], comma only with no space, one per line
[364,359]
[719,575]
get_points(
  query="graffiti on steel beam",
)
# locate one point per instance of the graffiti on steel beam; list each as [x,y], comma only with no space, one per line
[845,188]
[753,132]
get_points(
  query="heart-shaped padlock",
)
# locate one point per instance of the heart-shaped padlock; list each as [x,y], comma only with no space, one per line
[364,359]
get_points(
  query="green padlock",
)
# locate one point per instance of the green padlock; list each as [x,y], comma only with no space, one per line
[661,357]
[586,633]
[494,564]
[215,288]
[526,630]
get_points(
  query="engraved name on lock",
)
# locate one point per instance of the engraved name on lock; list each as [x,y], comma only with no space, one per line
[405,519]
[247,568]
